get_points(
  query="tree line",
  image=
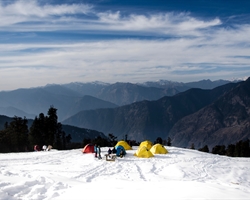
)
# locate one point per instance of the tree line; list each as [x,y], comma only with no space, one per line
[239,149]
[45,130]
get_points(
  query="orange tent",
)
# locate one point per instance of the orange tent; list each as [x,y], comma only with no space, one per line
[89,148]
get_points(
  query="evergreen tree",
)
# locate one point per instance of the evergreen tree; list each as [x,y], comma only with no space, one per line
[219,149]
[158,140]
[102,142]
[242,149]
[52,127]
[204,149]
[15,135]
[35,133]
[112,139]
[68,139]
[169,143]
[86,141]
[245,149]
[4,141]
[230,150]
[58,143]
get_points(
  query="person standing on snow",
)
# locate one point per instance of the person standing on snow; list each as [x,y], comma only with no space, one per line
[95,150]
[99,152]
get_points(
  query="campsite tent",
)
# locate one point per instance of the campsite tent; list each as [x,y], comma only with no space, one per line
[124,144]
[146,144]
[118,150]
[143,152]
[89,148]
[158,149]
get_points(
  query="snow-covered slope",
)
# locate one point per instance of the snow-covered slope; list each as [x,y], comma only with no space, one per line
[180,174]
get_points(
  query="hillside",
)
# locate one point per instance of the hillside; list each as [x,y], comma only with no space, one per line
[220,123]
[147,119]
[33,101]
[77,134]
[141,120]
[72,98]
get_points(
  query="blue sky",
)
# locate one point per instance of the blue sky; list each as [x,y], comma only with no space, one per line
[51,41]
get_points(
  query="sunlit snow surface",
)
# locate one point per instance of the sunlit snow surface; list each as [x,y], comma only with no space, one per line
[180,174]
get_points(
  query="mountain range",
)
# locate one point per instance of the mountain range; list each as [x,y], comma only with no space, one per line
[225,121]
[181,111]
[151,119]
[74,97]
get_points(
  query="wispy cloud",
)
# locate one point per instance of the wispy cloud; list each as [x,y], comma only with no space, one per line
[28,15]
[189,48]
[26,11]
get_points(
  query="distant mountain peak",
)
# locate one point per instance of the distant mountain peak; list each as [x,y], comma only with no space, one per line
[92,83]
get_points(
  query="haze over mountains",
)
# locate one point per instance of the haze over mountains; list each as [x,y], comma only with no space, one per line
[144,111]
[74,97]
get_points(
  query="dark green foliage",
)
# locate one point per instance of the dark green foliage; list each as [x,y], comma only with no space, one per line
[45,130]
[204,149]
[230,150]
[240,149]
[169,143]
[113,139]
[14,137]
[102,142]
[53,136]
[133,143]
[38,131]
[158,140]
[219,149]
[86,141]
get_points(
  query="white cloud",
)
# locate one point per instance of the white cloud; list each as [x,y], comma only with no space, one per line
[26,11]
[65,17]
[198,46]
[120,60]
[32,8]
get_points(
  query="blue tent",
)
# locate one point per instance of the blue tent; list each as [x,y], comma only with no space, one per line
[118,150]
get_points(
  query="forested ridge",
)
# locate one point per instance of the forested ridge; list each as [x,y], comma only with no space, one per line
[45,130]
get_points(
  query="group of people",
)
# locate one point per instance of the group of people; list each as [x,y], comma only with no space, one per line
[44,148]
[113,151]
[97,150]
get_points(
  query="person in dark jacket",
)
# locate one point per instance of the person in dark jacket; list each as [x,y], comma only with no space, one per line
[99,152]
[122,153]
[95,150]
[109,151]
[114,150]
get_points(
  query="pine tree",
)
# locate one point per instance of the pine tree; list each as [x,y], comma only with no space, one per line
[15,135]
[169,143]
[219,149]
[204,149]
[230,150]
[112,139]
[52,127]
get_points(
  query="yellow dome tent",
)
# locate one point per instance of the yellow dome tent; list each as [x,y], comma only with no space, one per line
[146,144]
[124,144]
[158,149]
[143,152]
